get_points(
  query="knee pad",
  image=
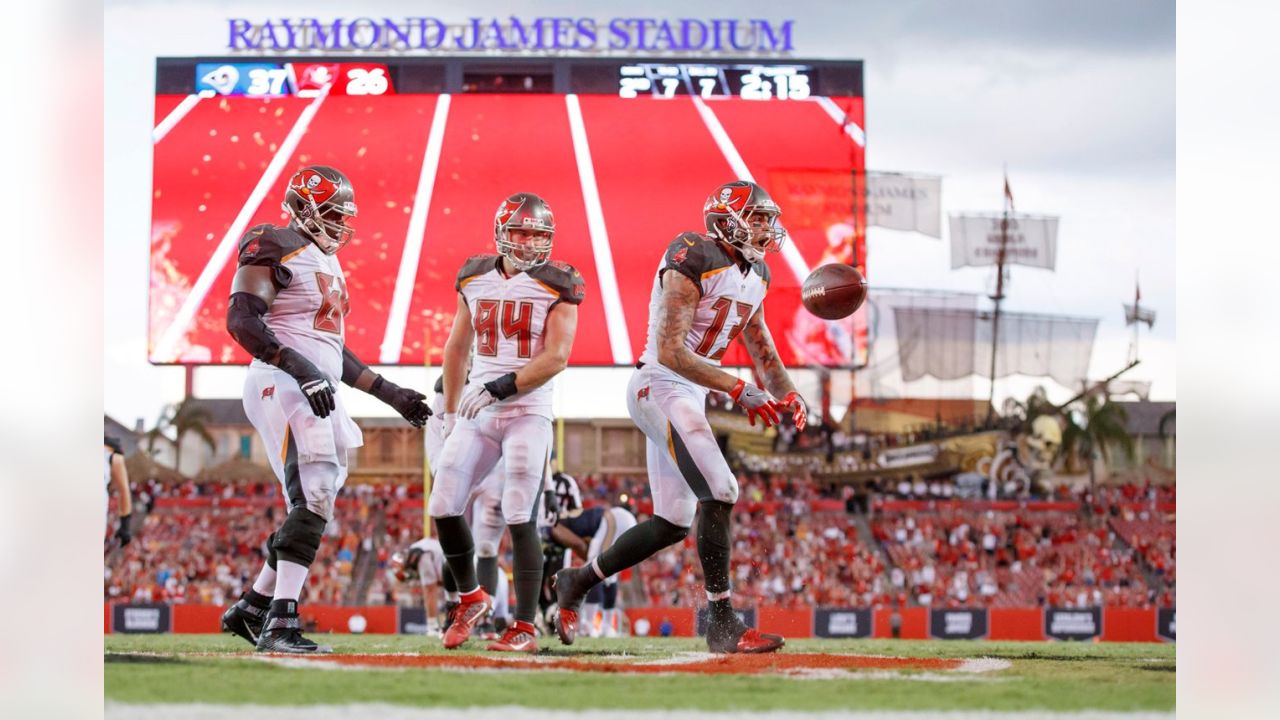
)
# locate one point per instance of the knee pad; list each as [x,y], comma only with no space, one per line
[669,532]
[298,538]
[271,551]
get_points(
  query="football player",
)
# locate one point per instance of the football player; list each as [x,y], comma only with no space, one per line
[287,308]
[517,315]
[709,288]
[114,473]
[423,561]
[485,518]
[587,532]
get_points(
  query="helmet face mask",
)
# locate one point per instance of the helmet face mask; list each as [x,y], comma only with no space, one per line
[743,215]
[523,231]
[321,203]
[568,495]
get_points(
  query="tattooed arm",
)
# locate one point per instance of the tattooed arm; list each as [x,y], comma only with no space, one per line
[675,316]
[769,366]
[760,347]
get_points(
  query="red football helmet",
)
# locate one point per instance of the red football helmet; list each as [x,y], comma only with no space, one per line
[742,214]
[321,203]
[403,566]
[528,212]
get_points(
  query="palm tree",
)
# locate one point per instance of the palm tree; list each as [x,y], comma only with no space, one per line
[1024,412]
[1102,430]
[182,418]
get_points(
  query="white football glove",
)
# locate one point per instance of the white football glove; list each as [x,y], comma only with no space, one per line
[757,402]
[474,399]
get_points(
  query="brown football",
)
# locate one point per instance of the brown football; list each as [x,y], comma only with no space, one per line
[834,291]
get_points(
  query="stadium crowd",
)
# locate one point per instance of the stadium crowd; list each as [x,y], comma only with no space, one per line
[796,543]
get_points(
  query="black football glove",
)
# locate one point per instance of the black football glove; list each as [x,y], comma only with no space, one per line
[411,404]
[123,533]
[315,384]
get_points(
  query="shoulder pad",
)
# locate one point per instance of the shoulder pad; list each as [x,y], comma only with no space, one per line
[475,265]
[564,279]
[270,245]
[693,255]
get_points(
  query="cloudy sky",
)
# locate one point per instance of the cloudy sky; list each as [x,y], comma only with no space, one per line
[1076,99]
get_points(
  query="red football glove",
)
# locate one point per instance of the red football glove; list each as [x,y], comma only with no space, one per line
[757,402]
[799,413]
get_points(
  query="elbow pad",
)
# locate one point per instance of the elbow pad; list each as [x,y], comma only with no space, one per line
[352,367]
[246,326]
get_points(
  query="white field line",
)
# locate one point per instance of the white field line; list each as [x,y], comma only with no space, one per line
[201,711]
[164,349]
[615,321]
[398,317]
[790,253]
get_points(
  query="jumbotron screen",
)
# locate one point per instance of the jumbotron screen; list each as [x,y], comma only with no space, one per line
[624,151]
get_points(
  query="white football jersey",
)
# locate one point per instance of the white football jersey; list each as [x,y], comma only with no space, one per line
[312,302]
[509,315]
[730,295]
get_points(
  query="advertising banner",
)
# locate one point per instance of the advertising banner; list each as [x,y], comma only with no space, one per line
[958,623]
[411,621]
[140,618]
[1167,623]
[746,615]
[1073,623]
[1031,240]
[912,203]
[838,622]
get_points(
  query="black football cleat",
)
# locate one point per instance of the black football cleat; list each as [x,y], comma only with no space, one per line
[572,585]
[735,637]
[246,617]
[282,631]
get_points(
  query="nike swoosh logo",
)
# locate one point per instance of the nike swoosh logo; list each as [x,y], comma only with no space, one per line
[688,242]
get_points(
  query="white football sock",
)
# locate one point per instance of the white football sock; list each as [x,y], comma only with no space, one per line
[266,582]
[290,577]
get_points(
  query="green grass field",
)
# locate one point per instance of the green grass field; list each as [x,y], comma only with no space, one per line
[221,670]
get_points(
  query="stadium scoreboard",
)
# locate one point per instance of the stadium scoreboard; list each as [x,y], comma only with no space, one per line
[624,78]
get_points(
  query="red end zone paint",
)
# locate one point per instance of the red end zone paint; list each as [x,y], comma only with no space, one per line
[728,664]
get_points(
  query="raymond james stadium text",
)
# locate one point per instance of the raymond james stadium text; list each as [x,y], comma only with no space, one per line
[513,34]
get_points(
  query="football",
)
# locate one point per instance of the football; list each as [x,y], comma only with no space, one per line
[834,291]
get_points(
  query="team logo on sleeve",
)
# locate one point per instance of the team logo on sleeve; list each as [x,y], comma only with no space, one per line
[680,255]
[251,248]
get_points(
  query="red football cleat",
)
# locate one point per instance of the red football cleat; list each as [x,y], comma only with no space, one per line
[736,637]
[754,641]
[465,617]
[518,638]
[567,625]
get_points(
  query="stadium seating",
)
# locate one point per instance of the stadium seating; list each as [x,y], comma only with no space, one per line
[794,545]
